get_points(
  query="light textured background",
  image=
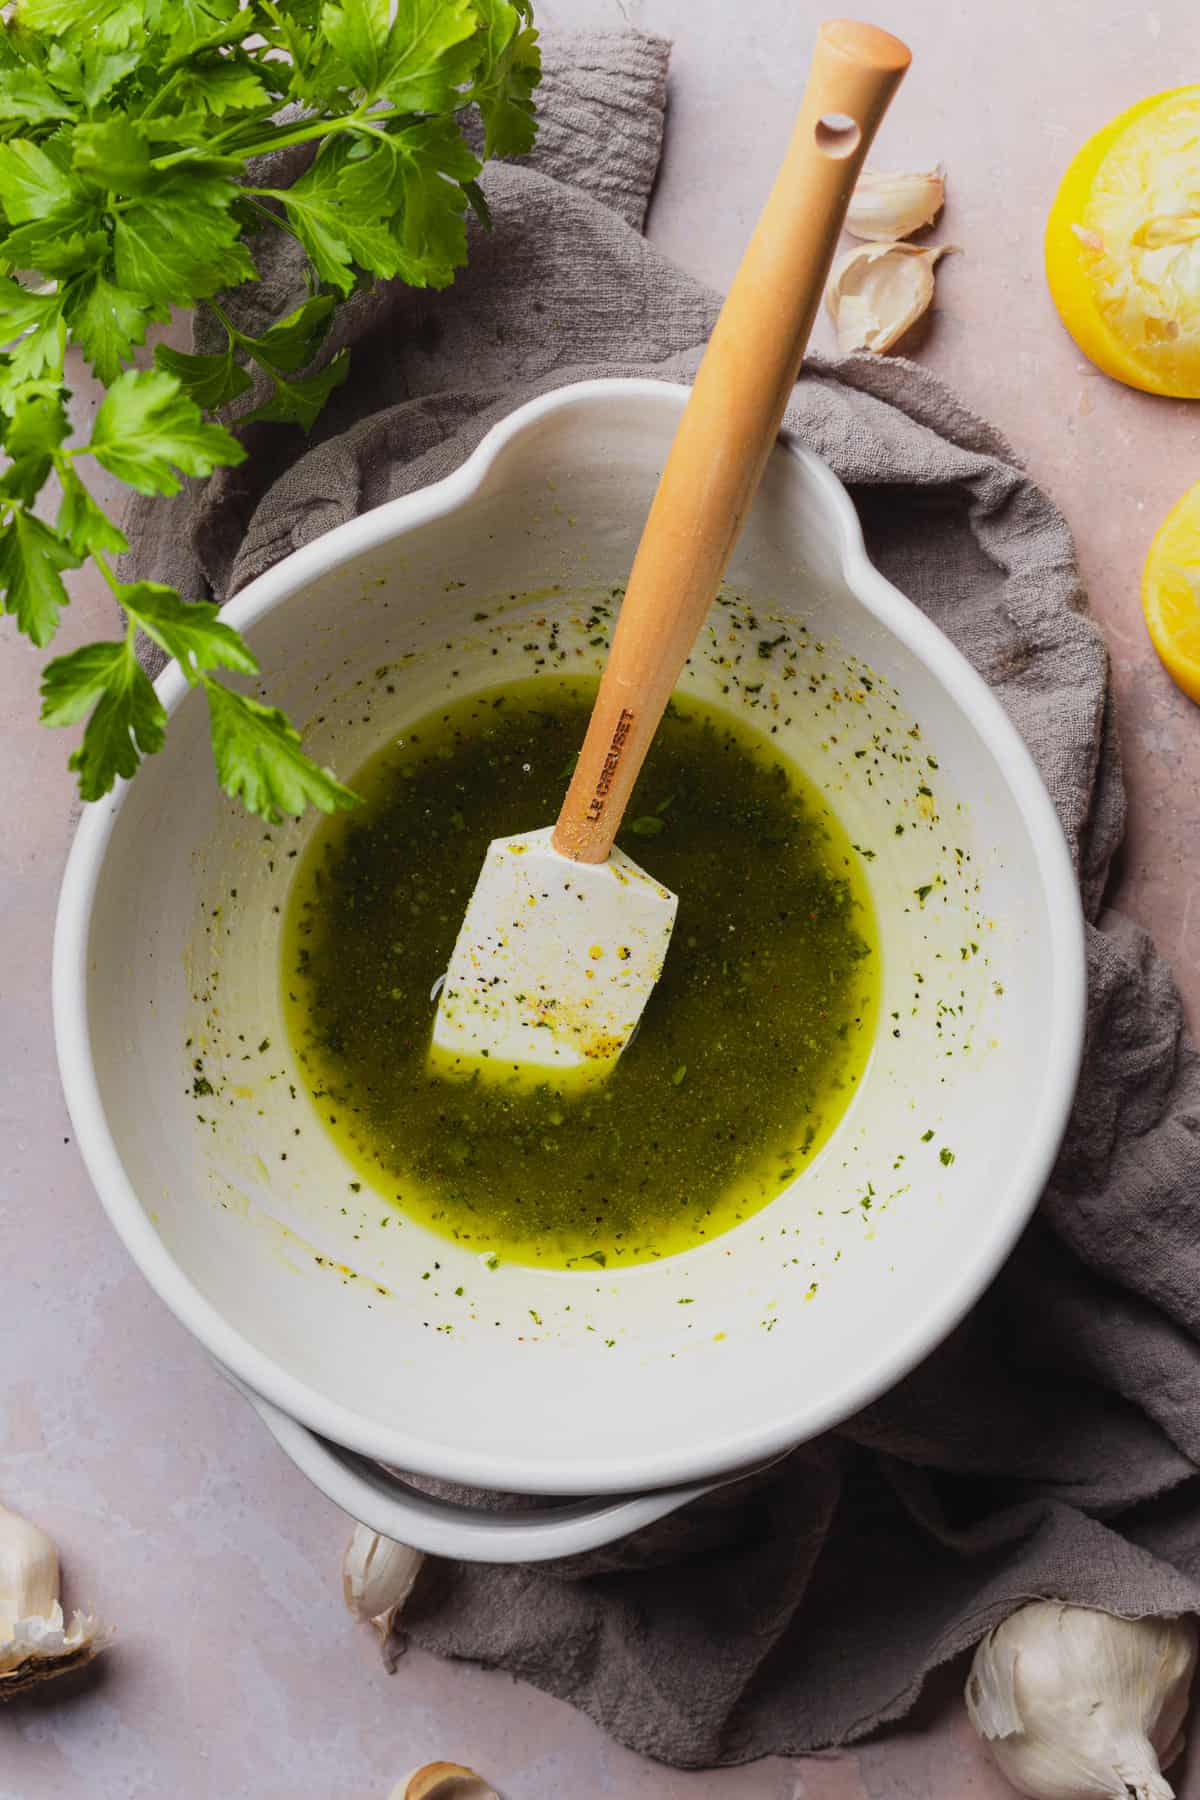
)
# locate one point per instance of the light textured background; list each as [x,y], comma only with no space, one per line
[237,1673]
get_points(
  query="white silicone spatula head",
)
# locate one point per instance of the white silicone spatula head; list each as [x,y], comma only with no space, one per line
[564,938]
[554,962]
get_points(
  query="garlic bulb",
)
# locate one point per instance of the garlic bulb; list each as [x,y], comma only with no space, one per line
[1080,1705]
[887,205]
[878,292]
[377,1578]
[36,1643]
[443,1781]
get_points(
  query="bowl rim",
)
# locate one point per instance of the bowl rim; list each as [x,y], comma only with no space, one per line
[934,1315]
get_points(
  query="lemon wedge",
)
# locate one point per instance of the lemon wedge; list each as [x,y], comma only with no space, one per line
[1171,592]
[1123,246]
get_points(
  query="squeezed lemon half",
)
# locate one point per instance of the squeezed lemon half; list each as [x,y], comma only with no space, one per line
[1171,592]
[1123,246]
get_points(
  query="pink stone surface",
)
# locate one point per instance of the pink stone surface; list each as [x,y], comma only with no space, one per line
[236,1672]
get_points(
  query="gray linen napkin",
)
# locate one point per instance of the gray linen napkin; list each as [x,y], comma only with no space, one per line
[1050,1447]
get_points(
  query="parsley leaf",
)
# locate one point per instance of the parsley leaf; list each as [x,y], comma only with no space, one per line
[294,341]
[222,87]
[38,420]
[37,426]
[259,759]
[85,73]
[359,31]
[107,321]
[422,167]
[131,133]
[337,223]
[25,94]
[22,309]
[32,184]
[510,70]
[127,722]
[71,685]
[111,22]
[63,243]
[24,477]
[196,25]
[56,220]
[36,324]
[181,239]
[31,560]
[113,155]
[299,402]
[147,427]
[211,381]
[80,522]
[419,61]
[191,632]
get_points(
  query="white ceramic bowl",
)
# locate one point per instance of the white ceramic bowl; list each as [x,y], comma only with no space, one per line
[542,1382]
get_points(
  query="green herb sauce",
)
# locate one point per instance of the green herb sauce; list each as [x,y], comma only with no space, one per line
[748,1051]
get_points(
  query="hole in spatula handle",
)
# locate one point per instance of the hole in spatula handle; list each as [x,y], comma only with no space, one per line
[837,134]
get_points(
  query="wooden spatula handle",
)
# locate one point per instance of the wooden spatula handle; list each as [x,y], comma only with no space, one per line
[730,423]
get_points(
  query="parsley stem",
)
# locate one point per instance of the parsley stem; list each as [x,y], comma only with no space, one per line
[105,567]
[305,135]
[277,219]
[226,321]
[157,100]
[203,152]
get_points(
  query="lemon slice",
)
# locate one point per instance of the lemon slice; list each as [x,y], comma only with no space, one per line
[1171,592]
[1123,246]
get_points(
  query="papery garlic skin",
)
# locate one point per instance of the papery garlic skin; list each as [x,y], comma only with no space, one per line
[878,292]
[1076,1704]
[891,204]
[36,1643]
[378,1575]
[48,1638]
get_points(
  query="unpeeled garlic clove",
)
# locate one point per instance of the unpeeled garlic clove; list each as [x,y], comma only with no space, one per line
[28,1571]
[878,292]
[891,204]
[1076,1704]
[377,1578]
[36,1643]
[443,1781]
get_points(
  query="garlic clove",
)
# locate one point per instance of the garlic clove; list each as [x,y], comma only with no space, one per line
[443,1781]
[1076,1704]
[378,1576]
[28,1571]
[878,292]
[888,204]
[36,1643]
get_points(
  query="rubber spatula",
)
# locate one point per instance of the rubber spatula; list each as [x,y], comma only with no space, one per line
[565,936]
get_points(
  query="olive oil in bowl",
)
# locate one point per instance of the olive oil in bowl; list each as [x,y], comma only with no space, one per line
[748,1052]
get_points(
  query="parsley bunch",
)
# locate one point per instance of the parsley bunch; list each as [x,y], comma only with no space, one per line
[127,128]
